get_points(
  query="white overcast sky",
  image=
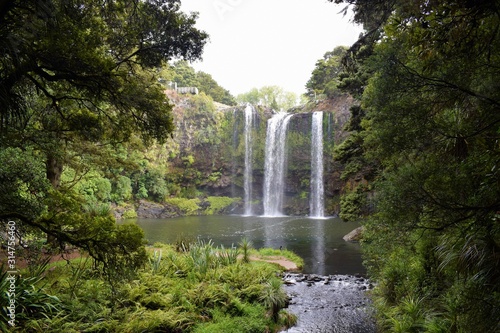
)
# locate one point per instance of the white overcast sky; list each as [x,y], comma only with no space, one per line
[255,43]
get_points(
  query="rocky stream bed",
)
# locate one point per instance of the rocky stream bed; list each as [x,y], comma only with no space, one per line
[329,304]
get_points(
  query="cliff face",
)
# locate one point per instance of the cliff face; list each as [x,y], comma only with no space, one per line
[336,115]
[207,152]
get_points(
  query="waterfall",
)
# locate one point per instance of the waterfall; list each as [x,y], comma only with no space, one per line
[275,164]
[247,177]
[233,162]
[316,204]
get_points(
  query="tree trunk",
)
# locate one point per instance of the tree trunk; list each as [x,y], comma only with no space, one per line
[54,170]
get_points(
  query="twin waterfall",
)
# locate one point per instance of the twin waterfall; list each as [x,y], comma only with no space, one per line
[275,167]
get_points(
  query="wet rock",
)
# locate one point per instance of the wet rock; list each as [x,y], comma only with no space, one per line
[335,306]
[147,209]
[354,236]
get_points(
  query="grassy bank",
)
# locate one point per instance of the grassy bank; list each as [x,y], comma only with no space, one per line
[194,288]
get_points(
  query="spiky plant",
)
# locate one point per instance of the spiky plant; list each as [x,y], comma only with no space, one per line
[31,300]
[273,297]
[155,261]
[245,246]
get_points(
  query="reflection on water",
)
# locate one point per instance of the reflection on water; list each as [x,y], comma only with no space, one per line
[318,241]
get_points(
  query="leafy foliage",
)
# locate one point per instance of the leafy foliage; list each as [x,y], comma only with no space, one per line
[187,206]
[31,300]
[245,246]
[271,96]
[76,78]
[24,183]
[206,289]
[325,78]
[219,204]
[184,75]
[428,122]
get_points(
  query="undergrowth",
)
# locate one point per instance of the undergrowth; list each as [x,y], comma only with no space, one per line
[201,289]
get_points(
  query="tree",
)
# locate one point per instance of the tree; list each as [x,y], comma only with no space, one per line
[210,87]
[185,76]
[270,96]
[76,76]
[88,53]
[326,74]
[252,97]
[430,122]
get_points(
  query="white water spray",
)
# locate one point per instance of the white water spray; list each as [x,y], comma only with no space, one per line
[275,164]
[316,204]
[248,176]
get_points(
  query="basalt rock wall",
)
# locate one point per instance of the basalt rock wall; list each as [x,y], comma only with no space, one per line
[212,152]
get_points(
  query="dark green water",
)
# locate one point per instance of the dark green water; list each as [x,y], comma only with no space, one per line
[318,241]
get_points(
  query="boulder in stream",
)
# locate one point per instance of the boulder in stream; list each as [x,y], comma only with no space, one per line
[354,236]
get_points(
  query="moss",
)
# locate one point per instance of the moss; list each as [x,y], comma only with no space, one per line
[218,204]
[187,206]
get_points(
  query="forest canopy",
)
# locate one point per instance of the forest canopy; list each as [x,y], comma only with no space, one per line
[77,77]
[426,131]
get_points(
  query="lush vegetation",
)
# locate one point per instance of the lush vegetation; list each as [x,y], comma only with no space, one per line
[196,288]
[182,74]
[273,97]
[89,126]
[84,125]
[77,82]
[325,78]
[423,158]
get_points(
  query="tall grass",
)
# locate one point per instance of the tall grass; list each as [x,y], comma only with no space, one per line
[31,299]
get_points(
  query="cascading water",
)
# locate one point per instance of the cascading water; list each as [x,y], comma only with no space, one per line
[316,204]
[247,177]
[275,164]
[234,163]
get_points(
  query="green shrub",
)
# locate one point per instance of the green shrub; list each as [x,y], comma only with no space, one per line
[94,187]
[273,297]
[351,205]
[129,214]
[187,206]
[122,189]
[218,204]
[142,320]
[252,322]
